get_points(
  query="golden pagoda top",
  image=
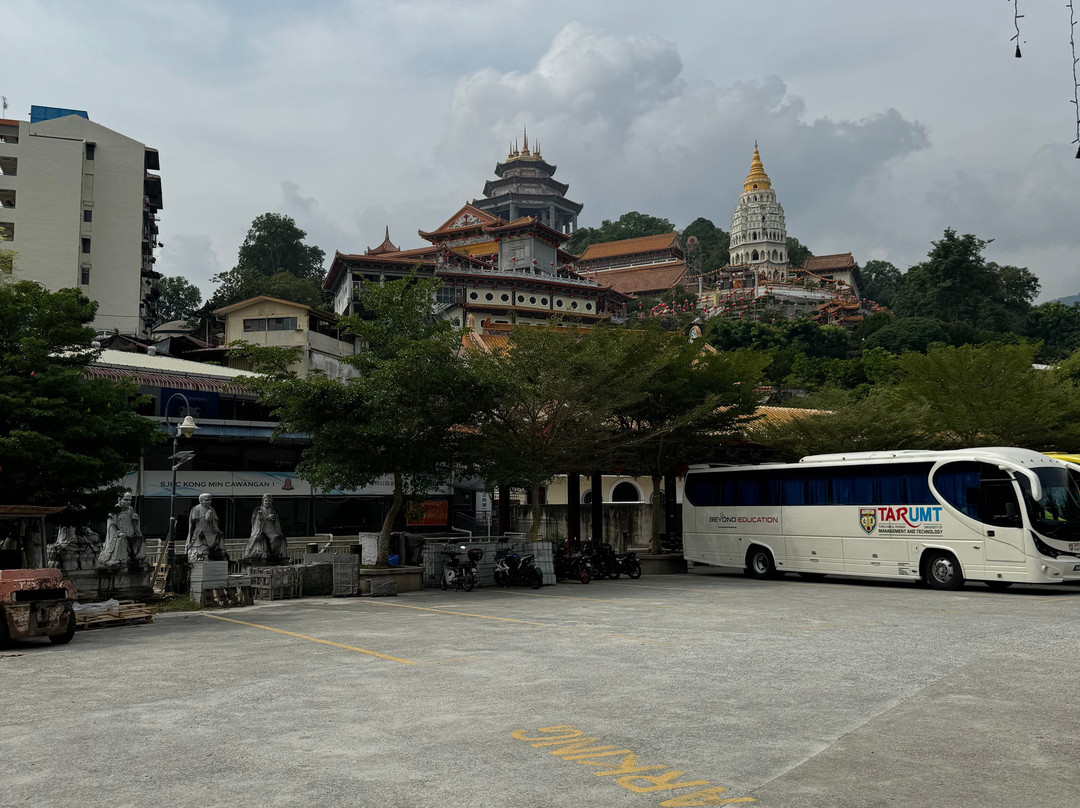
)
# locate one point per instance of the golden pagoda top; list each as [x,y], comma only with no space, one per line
[757,179]
[524,153]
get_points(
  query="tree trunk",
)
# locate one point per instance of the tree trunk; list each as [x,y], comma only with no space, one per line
[534,510]
[383,559]
[657,514]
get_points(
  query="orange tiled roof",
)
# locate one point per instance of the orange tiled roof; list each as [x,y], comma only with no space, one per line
[819,263]
[634,280]
[631,246]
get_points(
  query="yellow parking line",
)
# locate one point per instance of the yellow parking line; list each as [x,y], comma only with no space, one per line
[314,639]
[509,620]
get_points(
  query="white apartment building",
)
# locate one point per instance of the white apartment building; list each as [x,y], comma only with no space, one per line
[78,203]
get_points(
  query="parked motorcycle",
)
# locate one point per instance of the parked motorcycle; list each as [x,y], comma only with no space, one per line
[602,558]
[512,569]
[572,566]
[458,574]
[629,564]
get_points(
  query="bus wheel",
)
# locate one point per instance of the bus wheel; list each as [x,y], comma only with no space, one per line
[942,571]
[998,586]
[759,563]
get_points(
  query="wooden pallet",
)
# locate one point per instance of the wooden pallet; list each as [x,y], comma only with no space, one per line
[127,613]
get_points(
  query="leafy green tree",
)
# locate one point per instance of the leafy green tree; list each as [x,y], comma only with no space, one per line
[178,299]
[407,413]
[842,421]
[1057,326]
[693,401]
[713,245]
[990,395]
[548,399]
[275,244]
[629,225]
[65,439]
[797,252]
[274,261]
[908,334]
[7,259]
[881,282]
[957,285]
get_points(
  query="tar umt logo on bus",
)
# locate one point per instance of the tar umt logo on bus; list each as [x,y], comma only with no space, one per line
[913,517]
[868,519]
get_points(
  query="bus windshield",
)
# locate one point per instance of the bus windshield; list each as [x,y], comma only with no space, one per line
[1057,514]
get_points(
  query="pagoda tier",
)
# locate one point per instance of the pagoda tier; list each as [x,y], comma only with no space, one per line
[525,188]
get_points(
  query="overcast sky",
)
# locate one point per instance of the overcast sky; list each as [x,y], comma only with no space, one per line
[880,124]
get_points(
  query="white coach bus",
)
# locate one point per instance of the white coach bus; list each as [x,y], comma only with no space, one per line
[996,515]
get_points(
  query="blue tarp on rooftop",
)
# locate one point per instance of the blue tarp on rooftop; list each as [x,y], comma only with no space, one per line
[38,114]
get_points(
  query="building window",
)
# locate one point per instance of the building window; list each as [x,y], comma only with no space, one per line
[280,323]
[505,298]
[473,295]
[84,274]
[86,246]
[444,294]
[532,300]
[588,307]
[558,303]
[9,166]
[7,231]
[489,296]
[90,149]
[7,197]
[258,324]
[88,215]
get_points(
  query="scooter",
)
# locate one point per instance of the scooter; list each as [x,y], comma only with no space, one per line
[458,574]
[514,570]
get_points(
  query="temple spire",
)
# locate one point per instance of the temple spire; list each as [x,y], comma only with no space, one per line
[525,139]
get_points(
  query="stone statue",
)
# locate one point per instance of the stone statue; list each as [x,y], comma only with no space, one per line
[267,544]
[74,549]
[205,541]
[124,545]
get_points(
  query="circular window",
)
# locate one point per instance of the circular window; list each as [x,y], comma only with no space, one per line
[473,295]
[532,300]
[573,305]
[489,296]
[505,298]
[588,307]
[543,301]
[558,303]
[521,298]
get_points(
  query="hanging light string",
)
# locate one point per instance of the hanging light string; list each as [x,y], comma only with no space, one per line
[1017,16]
[1076,85]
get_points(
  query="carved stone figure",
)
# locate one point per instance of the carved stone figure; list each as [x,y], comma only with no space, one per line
[267,544]
[205,541]
[74,549]
[124,545]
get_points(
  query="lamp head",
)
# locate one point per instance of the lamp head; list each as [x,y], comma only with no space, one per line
[187,427]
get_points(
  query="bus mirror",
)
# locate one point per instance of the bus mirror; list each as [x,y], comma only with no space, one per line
[1034,482]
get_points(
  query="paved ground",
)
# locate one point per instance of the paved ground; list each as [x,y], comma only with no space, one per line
[667,691]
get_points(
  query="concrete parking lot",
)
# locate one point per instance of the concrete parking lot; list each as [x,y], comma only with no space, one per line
[682,690]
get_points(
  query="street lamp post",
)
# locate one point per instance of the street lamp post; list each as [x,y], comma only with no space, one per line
[186,428]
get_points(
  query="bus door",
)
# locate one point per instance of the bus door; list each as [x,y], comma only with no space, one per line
[1003,526]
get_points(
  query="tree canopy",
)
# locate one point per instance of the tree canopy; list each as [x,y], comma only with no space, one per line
[406,413]
[178,299]
[65,439]
[273,260]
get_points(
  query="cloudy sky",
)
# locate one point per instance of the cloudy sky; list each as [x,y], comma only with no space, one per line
[880,124]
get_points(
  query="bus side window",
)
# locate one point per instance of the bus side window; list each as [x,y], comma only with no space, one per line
[999,505]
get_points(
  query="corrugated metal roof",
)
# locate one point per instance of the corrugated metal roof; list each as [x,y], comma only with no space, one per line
[630,246]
